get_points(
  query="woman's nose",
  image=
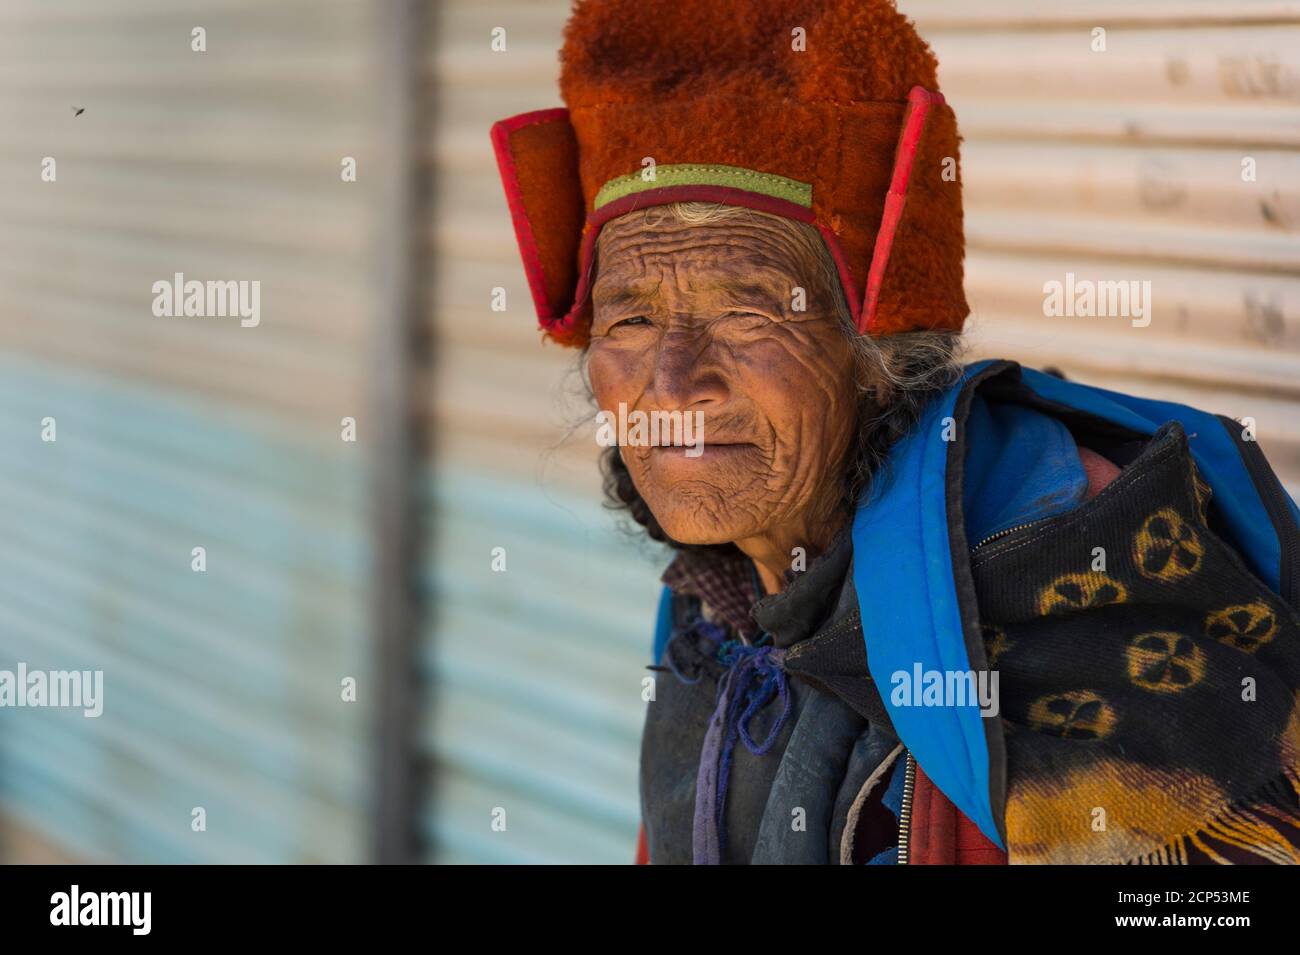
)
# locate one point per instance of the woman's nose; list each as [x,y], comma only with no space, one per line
[685,376]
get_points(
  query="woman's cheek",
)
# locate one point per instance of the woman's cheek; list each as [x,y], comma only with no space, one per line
[616,374]
[771,377]
[602,377]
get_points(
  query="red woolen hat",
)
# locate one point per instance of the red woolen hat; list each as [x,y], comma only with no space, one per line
[823,111]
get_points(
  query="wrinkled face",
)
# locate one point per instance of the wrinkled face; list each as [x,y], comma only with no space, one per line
[705,318]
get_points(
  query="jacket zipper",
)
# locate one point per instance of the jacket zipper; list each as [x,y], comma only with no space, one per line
[1004,532]
[905,816]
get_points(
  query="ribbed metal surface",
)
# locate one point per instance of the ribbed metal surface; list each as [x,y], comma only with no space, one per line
[537,669]
[1127,165]
[222,689]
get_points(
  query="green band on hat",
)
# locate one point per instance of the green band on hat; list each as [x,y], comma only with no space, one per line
[763,183]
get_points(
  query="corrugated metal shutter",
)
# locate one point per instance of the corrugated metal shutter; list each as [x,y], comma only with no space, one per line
[1127,165]
[222,689]
[537,669]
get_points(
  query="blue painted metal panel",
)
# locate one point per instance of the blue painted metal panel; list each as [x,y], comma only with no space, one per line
[536,672]
[221,688]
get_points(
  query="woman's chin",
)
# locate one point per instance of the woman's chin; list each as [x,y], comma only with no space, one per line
[713,529]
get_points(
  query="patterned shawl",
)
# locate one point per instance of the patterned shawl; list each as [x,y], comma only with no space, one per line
[1148,680]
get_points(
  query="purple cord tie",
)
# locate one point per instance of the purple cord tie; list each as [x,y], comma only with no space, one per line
[754,676]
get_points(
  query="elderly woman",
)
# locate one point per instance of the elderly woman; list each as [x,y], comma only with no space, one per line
[919,612]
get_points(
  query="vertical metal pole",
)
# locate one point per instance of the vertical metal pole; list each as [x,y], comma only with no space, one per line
[392,428]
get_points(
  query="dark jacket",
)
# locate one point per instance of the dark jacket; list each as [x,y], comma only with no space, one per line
[836,780]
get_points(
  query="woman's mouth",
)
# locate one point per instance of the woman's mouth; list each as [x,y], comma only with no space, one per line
[706,450]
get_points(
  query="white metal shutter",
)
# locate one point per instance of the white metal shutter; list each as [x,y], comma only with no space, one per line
[1127,164]
[222,689]
[535,671]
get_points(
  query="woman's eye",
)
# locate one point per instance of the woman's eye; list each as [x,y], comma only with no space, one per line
[634,320]
[750,317]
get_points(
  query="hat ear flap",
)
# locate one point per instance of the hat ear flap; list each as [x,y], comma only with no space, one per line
[537,155]
[925,269]
[919,103]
